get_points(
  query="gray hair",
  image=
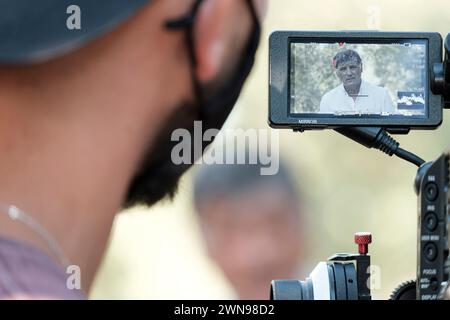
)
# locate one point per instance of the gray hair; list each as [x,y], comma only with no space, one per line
[345,56]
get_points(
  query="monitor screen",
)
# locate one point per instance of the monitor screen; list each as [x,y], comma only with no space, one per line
[352,78]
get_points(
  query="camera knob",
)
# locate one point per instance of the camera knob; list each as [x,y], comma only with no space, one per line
[362,239]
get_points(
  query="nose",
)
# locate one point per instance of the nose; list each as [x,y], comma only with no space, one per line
[348,71]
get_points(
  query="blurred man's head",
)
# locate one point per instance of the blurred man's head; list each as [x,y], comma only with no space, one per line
[86,114]
[143,73]
[349,68]
[251,224]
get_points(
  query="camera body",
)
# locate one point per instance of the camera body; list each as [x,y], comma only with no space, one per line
[310,70]
[432,186]
[302,96]
[346,276]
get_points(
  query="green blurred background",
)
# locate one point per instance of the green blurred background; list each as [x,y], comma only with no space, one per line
[159,254]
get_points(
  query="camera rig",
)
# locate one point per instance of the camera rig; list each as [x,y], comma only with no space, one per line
[347,276]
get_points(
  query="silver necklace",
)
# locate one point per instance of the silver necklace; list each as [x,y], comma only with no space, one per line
[16,214]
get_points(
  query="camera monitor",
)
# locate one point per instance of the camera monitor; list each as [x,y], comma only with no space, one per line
[338,79]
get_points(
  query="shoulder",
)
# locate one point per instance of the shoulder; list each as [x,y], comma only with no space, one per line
[27,273]
[332,93]
[374,88]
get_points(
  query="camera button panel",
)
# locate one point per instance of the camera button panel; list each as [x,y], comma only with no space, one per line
[430,251]
[431,221]
[431,191]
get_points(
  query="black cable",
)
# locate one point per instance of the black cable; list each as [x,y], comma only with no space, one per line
[378,138]
[408,156]
[390,146]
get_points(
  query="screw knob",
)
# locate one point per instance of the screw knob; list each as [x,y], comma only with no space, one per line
[362,239]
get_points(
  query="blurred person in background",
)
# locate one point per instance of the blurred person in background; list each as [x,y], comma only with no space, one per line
[252,225]
[90,92]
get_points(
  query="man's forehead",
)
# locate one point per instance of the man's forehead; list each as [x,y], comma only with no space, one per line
[351,61]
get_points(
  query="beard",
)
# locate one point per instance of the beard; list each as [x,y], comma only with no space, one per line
[158,176]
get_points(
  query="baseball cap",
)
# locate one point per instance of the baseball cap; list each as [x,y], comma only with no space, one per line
[35,31]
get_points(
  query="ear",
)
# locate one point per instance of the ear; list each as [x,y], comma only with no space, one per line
[216,29]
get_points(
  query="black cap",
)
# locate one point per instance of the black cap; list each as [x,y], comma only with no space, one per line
[33,31]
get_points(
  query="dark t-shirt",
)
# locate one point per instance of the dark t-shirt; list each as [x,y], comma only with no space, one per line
[27,273]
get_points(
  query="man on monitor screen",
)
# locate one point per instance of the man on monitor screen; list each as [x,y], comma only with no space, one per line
[354,96]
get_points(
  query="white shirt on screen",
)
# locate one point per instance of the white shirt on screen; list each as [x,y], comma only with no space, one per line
[370,100]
